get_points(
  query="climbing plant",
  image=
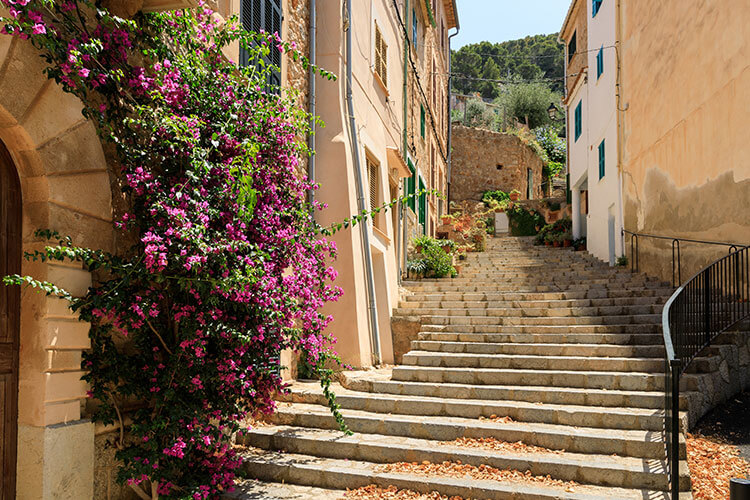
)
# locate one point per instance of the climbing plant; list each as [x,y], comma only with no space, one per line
[224,266]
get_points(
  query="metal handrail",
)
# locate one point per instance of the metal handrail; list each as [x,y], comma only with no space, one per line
[676,251]
[713,301]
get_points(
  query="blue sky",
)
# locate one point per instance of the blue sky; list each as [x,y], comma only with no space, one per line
[501,20]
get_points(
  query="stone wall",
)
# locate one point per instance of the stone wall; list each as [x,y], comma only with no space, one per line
[477,156]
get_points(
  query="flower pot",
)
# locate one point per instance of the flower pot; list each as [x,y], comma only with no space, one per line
[418,248]
[580,248]
[446,219]
[567,243]
[447,248]
[556,244]
[457,268]
[547,243]
[514,196]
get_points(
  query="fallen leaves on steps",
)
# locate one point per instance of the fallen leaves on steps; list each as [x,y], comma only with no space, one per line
[481,473]
[497,445]
[373,492]
[712,465]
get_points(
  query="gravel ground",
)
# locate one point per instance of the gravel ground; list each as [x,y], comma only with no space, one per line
[730,422]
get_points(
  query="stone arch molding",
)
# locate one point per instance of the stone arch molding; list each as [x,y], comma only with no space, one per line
[65,186]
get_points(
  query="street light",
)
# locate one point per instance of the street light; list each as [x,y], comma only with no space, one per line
[552,111]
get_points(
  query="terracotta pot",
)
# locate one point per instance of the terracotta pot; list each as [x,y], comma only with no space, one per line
[418,248]
[514,196]
[556,244]
[567,243]
[580,248]
[447,249]
[457,268]
[547,243]
[446,219]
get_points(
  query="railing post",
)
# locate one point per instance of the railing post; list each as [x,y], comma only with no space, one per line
[707,302]
[675,425]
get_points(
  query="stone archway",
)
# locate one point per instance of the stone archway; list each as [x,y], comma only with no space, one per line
[65,186]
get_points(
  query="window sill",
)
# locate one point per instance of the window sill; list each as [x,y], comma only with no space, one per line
[382,234]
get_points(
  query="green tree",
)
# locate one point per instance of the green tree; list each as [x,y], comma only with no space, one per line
[527,102]
[489,85]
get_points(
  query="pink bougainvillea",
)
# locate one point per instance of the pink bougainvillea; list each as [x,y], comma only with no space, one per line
[227,267]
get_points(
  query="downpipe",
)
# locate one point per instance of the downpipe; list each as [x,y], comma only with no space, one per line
[450,119]
[369,275]
[311,78]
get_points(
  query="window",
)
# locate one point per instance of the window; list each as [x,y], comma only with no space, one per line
[372,174]
[381,57]
[572,47]
[595,6]
[529,184]
[422,120]
[256,15]
[414,28]
[579,120]
[600,63]
[601,159]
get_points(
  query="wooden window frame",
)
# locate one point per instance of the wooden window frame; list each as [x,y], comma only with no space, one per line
[381,57]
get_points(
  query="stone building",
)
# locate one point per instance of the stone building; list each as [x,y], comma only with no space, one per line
[484,160]
[55,174]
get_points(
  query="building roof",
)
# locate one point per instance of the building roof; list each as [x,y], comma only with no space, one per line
[451,13]
[568,18]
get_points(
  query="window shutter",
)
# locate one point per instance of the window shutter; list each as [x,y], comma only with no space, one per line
[266,15]
[373,177]
[381,56]
[600,63]
[579,120]
[602,159]
[422,120]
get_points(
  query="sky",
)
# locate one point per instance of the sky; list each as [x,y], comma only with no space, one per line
[501,20]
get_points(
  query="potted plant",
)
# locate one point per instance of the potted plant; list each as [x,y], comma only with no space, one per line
[548,239]
[448,246]
[580,244]
[567,239]
[514,195]
[446,219]
[557,240]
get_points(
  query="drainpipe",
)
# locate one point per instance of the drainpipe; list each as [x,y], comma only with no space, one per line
[311,79]
[620,112]
[450,121]
[405,221]
[369,275]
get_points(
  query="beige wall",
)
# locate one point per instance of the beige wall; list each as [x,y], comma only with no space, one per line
[476,156]
[685,81]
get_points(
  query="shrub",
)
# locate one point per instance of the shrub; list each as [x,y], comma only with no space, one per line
[497,195]
[523,222]
[552,143]
[432,261]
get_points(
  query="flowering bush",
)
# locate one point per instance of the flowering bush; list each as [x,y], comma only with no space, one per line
[225,267]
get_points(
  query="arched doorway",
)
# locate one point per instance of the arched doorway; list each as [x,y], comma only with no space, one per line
[10,307]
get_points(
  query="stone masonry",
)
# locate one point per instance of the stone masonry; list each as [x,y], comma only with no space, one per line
[485,160]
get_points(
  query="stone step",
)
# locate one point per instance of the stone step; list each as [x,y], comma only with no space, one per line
[379,382]
[647,341]
[630,443]
[632,328]
[502,301]
[597,290]
[636,319]
[532,312]
[599,470]
[542,349]
[541,280]
[532,362]
[252,489]
[648,295]
[342,473]
[520,411]
[628,381]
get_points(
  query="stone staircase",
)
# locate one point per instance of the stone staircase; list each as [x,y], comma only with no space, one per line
[540,345]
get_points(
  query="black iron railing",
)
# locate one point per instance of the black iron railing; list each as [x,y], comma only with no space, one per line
[676,251]
[708,304]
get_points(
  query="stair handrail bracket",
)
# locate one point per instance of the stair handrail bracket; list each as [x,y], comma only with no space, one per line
[711,302]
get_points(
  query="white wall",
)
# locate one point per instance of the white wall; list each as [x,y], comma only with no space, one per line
[600,123]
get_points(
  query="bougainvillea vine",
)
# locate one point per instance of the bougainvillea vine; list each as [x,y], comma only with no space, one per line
[224,266]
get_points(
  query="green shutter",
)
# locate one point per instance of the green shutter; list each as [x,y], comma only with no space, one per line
[422,120]
[422,206]
[601,160]
[411,188]
[600,63]
[579,120]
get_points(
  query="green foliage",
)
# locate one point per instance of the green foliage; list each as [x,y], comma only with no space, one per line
[528,138]
[553,144]
[622,260]
[529,57]
[557,231]
[432,260]
[524,222]
[498,196]
[527,102]
[553,169]
[478,115]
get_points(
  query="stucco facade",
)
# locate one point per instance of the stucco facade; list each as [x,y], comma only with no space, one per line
[685,152]
[484,160]
[592,127]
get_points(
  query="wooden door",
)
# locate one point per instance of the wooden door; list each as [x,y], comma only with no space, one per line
[10,308]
